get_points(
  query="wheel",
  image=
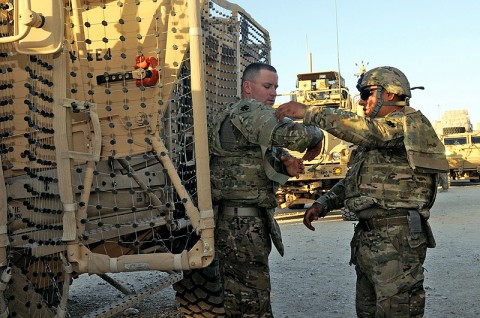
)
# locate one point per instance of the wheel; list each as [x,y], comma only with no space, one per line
[200,292]
[349,215]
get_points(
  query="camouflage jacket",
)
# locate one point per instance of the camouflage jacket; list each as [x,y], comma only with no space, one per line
[243,143]
[395,165]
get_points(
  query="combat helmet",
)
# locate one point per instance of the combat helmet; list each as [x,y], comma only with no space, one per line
[390,78]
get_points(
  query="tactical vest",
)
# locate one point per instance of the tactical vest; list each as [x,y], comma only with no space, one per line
[383,177]
[239,174]
[403,177]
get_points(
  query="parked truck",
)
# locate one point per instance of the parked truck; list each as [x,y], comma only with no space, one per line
[103,136]
[462,145]
[321,89]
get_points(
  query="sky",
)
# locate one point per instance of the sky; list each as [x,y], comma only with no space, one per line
[436,43]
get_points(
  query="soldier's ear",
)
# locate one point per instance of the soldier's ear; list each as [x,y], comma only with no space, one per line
[247,87]
[390,97]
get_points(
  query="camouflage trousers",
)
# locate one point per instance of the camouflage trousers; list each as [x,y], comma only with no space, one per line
[243,246]
[443,181]
[389,267]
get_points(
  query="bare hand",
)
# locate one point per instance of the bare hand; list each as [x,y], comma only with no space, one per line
[294,166]
[313,152]
[312,214]
[290,109]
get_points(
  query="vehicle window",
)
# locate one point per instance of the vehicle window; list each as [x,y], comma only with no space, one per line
[475,139]
[455,141]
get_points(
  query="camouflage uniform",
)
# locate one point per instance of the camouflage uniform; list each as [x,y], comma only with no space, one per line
[390,185]
[244,174]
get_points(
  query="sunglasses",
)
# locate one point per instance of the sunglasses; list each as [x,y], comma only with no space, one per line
[365,93]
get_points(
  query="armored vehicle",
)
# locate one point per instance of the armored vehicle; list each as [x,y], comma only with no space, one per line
[321,89]
[463,155]
[103,138]
[462,145]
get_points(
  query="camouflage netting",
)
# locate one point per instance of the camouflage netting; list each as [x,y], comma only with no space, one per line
[99,144]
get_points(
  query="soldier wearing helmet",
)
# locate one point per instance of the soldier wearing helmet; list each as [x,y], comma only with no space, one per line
[391,185]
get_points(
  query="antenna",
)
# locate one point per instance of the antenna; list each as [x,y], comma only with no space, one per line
[338,55]
[309,55]
[338,46]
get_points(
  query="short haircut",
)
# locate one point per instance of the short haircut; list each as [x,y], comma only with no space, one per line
[251,71]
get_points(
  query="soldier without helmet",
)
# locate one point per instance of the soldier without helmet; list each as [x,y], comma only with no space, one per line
[247,164]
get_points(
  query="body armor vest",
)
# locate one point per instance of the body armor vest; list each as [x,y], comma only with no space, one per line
[383,178]
[237,165]
[403,177]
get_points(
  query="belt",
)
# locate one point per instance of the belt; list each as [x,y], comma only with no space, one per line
[375,223]
[241,211]
[380,213]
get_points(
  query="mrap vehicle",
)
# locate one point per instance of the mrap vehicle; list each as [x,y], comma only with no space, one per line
[105,106]
[463,155]
[462,145]
[320,89]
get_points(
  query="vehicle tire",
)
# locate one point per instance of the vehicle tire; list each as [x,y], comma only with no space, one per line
[453,130]
[348,215]
[200,293]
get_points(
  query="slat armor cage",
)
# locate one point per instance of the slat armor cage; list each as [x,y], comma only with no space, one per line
[104,111]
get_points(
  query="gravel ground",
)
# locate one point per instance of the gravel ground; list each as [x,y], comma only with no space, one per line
[314,278]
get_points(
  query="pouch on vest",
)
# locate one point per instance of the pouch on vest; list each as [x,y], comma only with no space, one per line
[430,238]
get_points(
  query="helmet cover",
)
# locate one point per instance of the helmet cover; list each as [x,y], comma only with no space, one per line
[390,78]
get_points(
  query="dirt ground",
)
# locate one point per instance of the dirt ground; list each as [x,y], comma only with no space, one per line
[314,279]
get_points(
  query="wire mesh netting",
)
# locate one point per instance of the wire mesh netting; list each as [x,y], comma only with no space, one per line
[98,141]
